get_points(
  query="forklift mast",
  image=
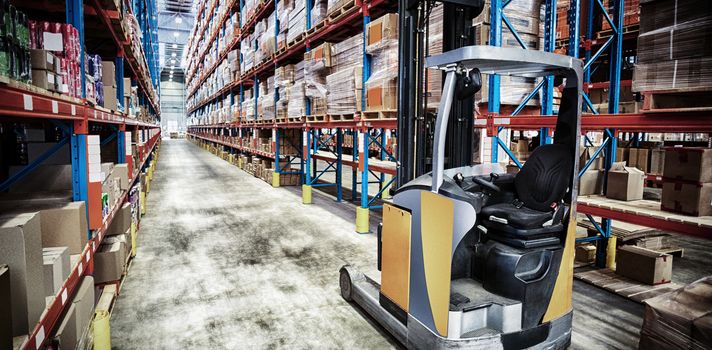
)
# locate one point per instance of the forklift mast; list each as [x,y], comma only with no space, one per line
[415,122]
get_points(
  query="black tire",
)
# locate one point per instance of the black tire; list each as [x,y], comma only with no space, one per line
[345,284]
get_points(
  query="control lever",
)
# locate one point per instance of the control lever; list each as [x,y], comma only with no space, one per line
[468,85]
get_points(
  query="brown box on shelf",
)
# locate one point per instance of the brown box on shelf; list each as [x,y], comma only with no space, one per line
[122,220]
[585,253]
[110,100]
[688,164]
[56,268]
[622,154]
[657,161]
[66,334]
[21,250]
[84,304]
[5,309]
[44,79]
[42,60]
[383,96]
[591,182]
[586,154]
[127,87]
[638,157]
[687,198]
[121,172]
[109,262]
[643,265]
[124,239]
[108,74]
[384,28]
[625,183]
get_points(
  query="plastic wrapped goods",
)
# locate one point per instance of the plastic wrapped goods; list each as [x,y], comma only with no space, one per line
[344,91]
[347,53]
[296,100]
[674,46]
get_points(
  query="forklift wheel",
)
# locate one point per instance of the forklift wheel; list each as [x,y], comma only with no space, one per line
[345,283]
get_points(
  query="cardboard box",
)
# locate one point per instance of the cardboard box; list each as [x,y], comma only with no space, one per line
[591,182]
[5,309]
[56,268]
[643,265]
[125,240]
[66,334]
[108,75]
[84,303]
[44,79]
[109,262]
[625,183]
[688,163]
[122,220]
[65,225]
[586,154]
[42,60]
[687,198]
[382,29]
[638,158]
[110,100]
[585,253]
[657,161]
[121,172]
[622,154]
[21,250]
[127,87]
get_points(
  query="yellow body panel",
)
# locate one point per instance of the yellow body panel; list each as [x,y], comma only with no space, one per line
[436,225]
[395,255]
[560,302]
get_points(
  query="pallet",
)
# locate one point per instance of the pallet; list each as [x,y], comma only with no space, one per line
[317,118]
[342,117]
[296,41]
[625,287]
[603,34]
[678,100]
[386,114]
[295,120]
[317,27]
[340,12]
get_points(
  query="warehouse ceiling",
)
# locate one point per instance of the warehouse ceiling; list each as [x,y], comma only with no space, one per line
[175,20]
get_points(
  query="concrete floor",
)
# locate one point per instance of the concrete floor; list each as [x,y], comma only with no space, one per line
[226,261]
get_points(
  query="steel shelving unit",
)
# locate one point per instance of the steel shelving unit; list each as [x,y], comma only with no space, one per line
[369,134]
[588,46]
[75,119]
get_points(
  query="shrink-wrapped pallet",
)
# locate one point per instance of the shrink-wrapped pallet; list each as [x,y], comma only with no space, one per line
[296,100]
[317,63]
[344,91]
[297,21]
[382,45]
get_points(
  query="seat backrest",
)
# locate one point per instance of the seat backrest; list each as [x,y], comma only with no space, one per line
[545,176]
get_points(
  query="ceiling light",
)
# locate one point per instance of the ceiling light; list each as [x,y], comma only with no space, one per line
[173,67]
[175,46]
[173,54]
[176,34]
[173,61]
[170,79]
[179,20]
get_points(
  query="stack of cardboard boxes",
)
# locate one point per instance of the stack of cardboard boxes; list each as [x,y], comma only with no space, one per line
[382,45]
[687,181]
[46,70]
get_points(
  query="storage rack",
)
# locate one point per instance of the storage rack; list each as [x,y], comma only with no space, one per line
[76,119]
[611,123]
[495,121]
[370,134]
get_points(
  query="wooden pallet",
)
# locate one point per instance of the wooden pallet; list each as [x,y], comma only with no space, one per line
[386,114]
[678,100]
[317,118]
[625,287]
[296,41]
[342,117]
[342,11]
[608,32]
[295,120]
[317,27]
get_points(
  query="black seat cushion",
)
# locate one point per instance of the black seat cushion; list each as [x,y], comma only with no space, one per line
[522,218]
[545,177]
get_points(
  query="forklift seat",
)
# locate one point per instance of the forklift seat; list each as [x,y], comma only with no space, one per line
[540,188]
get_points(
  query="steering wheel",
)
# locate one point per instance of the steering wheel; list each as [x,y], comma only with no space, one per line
[486,184]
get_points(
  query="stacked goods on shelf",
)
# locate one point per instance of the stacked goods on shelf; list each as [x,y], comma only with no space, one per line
[345,82]
[562,20]
[674,54]
[317,65]
[296,105]
[62,40]
[591,181]
[74,325]
[284,8]
[297,21]
[433,77]
[264,32]
[94,84]
[335,5]
[283,79]
[687,181]
[289,140]
[56,268]
[626,98]
[15,41]
[525,18]
[266,100]
[631,14]
[113,253]
[108,80]
[624,182]
[247,49]
[247,110]
[318,12]
[46,70]
[382,45]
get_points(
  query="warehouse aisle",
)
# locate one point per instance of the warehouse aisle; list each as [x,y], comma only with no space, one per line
[226,262]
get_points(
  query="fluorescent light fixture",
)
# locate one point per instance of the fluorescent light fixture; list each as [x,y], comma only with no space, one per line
[173,61]
[170,79]
[173,54]
[173,67]
[176,34]
[179,20]
[175,46]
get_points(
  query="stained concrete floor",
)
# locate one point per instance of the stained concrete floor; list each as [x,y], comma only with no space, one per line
[225,261]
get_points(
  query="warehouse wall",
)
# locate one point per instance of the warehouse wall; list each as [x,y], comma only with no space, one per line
[173,106]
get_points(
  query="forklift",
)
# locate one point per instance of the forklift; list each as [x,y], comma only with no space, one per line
[471,256]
